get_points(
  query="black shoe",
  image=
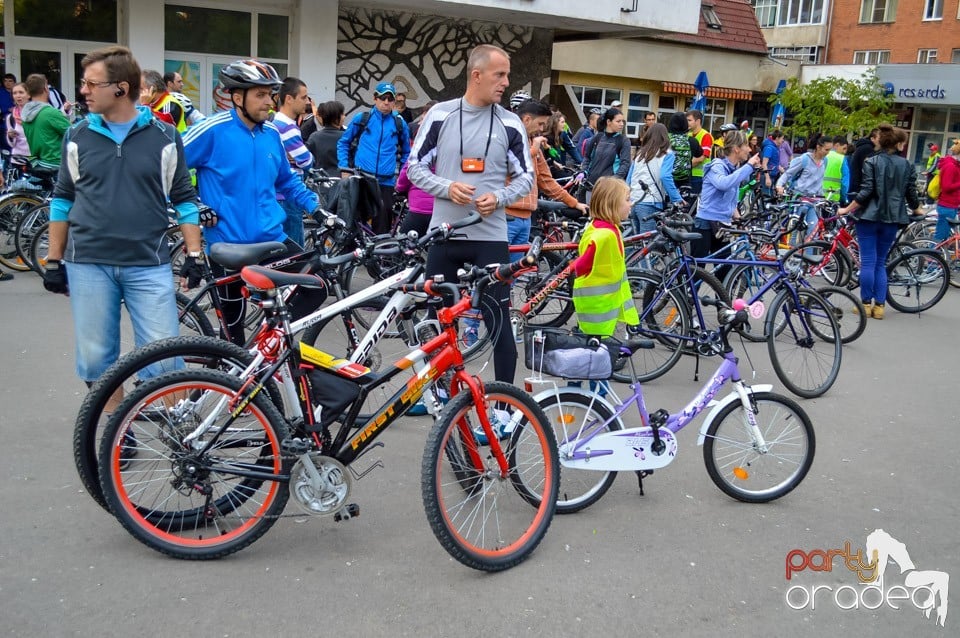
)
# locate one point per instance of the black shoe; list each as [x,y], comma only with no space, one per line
[128,450]
[5,276]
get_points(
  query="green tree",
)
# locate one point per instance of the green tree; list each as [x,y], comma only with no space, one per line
[836,105]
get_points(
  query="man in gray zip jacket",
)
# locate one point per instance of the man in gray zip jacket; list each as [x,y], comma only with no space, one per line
[119,168]
[471,154]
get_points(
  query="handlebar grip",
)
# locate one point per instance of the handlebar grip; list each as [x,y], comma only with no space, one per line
[432,288]
[339,260]
[507,271]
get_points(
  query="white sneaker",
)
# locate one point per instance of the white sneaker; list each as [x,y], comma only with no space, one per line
[501,423]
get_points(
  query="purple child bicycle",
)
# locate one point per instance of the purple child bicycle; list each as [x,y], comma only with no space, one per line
[757,445]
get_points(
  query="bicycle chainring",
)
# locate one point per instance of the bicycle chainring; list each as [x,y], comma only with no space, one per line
[323,497]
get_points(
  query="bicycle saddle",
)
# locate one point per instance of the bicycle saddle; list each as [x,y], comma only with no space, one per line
[632,345]
[546,205]
[236,256]
[267,279]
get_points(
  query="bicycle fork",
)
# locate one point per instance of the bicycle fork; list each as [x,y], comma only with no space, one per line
[750,409]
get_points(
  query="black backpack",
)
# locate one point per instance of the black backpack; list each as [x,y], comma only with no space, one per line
[364,120]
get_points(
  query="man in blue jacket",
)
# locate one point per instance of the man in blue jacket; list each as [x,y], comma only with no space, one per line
[377,144]
[241,167]
[770,161]
[120,166]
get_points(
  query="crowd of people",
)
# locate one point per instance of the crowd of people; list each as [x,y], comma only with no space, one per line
[133,155]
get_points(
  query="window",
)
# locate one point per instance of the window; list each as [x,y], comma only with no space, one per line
[90,21]
[710,17]
[927,56]
[804,54]
[793,12]
[933,10]
[207,30]
[766,11]
[592,96]
[871,57]
[638,104]
[878,11]
[955,56]
[272,36]
[714,115]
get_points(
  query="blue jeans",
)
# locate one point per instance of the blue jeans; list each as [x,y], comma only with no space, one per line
[518,230]
[96,291]
[943,228]
[293,224]
[641,210]
[876,240]
[696,183]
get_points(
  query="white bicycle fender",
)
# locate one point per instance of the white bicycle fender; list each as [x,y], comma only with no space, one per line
[719,405]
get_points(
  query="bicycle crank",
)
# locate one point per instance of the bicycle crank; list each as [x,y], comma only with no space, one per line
[319,484]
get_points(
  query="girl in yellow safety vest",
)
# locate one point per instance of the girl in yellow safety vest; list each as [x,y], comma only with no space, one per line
[601,293]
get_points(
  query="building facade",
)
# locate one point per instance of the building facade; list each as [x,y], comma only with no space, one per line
[339,49]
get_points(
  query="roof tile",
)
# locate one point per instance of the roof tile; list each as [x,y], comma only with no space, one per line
[739,29]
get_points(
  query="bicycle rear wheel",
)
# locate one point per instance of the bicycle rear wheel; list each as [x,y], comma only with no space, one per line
[176,500]
[917,280]
[744,470]
[575,416]
[13,207]
[31,223]
[165,355]
[487,519]
[804,342]
[664,318]
[849,311]
[39,248]
[556,308]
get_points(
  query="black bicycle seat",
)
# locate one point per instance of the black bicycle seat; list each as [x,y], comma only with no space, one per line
[678,236]
[236,256]
[266,279]
[546,205]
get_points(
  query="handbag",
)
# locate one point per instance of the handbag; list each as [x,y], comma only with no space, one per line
[560,353]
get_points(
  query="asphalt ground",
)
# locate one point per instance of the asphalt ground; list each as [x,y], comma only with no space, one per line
[684,559]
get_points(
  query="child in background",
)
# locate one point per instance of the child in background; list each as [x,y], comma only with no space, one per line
[600,303]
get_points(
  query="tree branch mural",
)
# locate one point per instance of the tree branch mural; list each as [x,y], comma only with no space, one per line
[425,57]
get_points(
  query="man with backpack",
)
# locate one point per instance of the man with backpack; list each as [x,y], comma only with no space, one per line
[377,144]
[682,148]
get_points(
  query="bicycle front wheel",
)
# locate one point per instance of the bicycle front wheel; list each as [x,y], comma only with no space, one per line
[485,518]
[746,470]
[176,499]
[849,311]
[804,342]
[917,280]
[573,417]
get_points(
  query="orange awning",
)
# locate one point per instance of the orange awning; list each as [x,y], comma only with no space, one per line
[718,92]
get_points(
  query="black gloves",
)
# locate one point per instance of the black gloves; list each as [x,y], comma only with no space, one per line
[191,271]
[55,277]
[208,216]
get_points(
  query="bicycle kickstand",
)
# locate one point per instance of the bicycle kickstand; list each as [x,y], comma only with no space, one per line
[642,474]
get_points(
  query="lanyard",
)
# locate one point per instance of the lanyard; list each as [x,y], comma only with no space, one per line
[489,132]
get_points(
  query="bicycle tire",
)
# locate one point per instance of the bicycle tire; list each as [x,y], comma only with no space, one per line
[87,430]
[737,481]
[803,357]
[835,267]
[158,496]
[579,489]
[13,207]
[527,491]
[919,274]
[29,225]
[39,248]
[849,311]
[670,316]
[193,320]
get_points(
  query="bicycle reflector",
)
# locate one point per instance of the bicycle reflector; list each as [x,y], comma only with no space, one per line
[741,473]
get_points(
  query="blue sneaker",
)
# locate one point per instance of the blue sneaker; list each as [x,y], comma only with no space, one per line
[419,409]
[501,423]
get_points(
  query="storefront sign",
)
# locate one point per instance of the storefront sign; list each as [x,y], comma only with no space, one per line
[921,83]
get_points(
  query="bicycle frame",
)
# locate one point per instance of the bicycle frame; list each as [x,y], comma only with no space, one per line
[592,448]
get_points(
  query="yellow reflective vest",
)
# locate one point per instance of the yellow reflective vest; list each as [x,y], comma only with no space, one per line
[833,176]
[602,297]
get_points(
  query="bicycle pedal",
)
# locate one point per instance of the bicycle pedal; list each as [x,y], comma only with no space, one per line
[350,511]
[295,446]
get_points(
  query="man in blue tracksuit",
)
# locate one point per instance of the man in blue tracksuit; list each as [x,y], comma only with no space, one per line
[377,144]
[241,167]
[120,166]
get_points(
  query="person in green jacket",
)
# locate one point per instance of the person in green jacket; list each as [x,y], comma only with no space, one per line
[43,125]
[836,176]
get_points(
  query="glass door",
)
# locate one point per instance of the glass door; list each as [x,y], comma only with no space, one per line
[59,61]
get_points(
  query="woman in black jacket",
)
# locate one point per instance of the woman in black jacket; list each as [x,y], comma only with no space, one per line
[888,187]
[608,152]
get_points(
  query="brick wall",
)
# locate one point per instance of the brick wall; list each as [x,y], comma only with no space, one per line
[903,37]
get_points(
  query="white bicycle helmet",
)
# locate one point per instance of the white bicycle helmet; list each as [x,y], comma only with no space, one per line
[728,127]
[518,98]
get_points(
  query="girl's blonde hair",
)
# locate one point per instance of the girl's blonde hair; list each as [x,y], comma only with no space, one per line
[608,196]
